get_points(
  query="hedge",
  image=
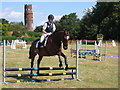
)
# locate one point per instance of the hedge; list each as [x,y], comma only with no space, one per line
[9,38]
[27,39]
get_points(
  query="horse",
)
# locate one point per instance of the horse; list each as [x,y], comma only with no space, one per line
[53,47]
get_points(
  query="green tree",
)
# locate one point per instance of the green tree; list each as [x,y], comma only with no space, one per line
[88,30]
[18,28]
[4,29]
[4,21]
[106,16]
[70,23]
[38,28]
[58,25]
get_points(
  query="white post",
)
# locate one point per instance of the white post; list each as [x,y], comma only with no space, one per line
[80,44]
[12,44]
[86,45]
[100,50]
[4,60]
[113,43]
[79,48]
[77,55]
[105,58]
[95,45]
[96,50]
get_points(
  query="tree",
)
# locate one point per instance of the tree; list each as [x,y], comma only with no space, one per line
[4,29]
[4,21]
[18,28]
[106,16]
[58,25]
[38,28]
[70,23]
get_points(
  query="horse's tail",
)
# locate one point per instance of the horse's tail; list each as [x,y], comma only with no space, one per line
[30,53]
[31,50]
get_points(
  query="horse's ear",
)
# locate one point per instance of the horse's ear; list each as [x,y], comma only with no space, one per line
[66,32]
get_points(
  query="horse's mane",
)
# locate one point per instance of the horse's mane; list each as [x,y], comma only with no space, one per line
[59,30]
[56,31]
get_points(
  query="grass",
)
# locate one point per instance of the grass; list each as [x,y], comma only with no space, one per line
[93,74]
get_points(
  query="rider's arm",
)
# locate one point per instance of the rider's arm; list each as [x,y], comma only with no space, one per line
[44,27]
[54,27]
[43,31]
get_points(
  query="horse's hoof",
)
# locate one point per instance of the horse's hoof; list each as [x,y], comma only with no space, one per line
[60,65]
[66,68]
[37,72]
[30,57]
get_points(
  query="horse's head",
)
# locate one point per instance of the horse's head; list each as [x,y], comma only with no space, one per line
[65,39]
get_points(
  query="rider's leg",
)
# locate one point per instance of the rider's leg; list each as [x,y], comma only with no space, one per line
[46,37]
[42,39]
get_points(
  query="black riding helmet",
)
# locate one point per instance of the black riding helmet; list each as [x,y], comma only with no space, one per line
[50,16]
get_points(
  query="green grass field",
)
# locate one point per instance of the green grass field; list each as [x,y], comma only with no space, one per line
[93,74]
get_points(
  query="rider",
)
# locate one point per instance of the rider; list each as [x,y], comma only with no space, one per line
[48,28]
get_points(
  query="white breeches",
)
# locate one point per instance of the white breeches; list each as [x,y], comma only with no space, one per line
[43,36]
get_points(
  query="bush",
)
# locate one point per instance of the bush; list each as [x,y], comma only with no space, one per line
[33,34]
[9,38]
[29,39]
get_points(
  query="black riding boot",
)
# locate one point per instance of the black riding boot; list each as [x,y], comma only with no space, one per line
[40,45]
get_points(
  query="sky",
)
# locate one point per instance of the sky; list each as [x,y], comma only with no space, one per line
[14,11]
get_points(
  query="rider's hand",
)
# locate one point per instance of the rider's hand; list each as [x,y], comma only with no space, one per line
[43,31]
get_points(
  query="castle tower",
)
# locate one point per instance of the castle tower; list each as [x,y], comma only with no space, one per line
[28,17]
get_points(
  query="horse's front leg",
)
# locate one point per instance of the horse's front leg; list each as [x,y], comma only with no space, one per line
[38,63]
[66,61]
[60,60]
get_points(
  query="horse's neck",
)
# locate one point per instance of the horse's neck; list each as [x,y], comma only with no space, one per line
[57,37]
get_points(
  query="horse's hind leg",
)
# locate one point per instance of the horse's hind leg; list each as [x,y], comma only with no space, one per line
[66,61]
[38,63]
[60,60]
[30,52]
[32,63]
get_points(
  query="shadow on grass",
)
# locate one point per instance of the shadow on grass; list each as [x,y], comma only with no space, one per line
[27,79]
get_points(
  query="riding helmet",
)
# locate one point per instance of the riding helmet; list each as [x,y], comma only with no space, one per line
[50,16]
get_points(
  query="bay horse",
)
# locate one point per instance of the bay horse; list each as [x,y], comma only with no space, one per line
[53,47]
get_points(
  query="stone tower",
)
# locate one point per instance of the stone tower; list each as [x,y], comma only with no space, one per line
[28,17]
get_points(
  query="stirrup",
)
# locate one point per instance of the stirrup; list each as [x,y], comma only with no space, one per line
[41,46]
